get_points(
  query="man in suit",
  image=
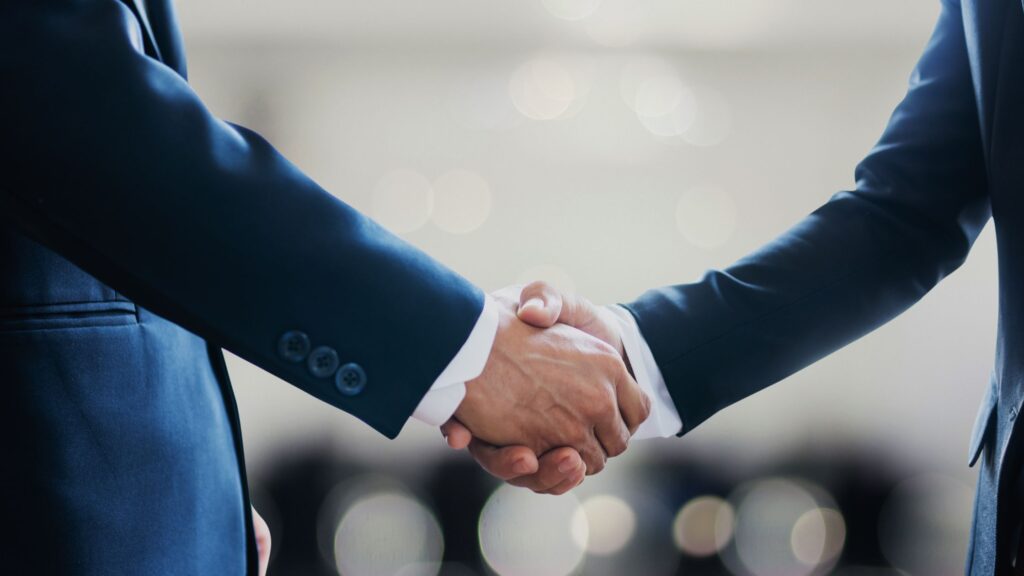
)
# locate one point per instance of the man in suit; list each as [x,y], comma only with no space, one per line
[951,158]
[139,235]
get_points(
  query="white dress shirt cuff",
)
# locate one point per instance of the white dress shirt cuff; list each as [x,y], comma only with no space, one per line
[447,392]
[664,420]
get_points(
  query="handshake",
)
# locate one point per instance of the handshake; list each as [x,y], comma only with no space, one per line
[556,398]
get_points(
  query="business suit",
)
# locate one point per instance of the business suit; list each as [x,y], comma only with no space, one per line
[951,157]
[138,236]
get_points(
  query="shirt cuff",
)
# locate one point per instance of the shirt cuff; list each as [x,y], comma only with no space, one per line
[664,420]
[447,392]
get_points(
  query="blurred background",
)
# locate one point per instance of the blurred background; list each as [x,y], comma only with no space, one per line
[608,146]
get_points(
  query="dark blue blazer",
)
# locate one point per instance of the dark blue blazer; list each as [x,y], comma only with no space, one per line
[139,235]
[951,157]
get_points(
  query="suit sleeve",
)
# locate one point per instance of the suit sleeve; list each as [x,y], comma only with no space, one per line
[114,162]
[853,264]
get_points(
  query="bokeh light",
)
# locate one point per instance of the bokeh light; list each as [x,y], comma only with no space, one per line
[603,525]
[775,536]
[542,89]
[571,9]
[665,106]
[703,526]
[388,533]
[524,534]
[818,536]
[462,201]
[924,526]
[706,216]
[402,201]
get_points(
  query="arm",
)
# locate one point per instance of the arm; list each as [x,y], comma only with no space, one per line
[114,162]
[852,265]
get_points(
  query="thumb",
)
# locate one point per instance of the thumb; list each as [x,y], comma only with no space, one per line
[540,304]
[456,435]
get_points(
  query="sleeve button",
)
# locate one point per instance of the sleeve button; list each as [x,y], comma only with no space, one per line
[293,346]
[322,362]
[350,380]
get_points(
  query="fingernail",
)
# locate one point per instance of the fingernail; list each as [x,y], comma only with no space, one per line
[566,465]
[521,467]
[534,303]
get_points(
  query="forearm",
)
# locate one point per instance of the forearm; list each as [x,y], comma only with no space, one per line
[115,163]
[855,263]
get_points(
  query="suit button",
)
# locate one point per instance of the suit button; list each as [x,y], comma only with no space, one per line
[293,346]
[322,362]
[1013,413]
[350,380]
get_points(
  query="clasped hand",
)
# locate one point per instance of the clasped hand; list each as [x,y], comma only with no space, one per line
[555,399]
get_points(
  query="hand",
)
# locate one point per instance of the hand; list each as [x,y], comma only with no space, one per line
[560,470]
[262,531]
[555,387]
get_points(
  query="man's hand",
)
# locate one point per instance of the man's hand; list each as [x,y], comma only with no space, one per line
[554,387]
[562,469]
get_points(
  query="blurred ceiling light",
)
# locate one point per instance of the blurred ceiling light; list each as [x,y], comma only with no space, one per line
[402,201]
[767,512]
[706,216]
[462,202]
[639,70]
[551,274]
[542,89]
[703,526]
[572,9]
[818,536]
[482,102]
[603,525]
[388,533]
[922,527]
[664,106]
[524,534]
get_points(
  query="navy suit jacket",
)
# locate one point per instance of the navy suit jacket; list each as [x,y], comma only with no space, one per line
[139,235]
[951,157]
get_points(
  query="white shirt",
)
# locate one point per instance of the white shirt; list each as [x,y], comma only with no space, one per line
[447,392]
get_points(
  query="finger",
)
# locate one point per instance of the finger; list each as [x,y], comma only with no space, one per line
[634,404]
[262,532]
[540,304]
[569,483]
[593,454]
[573,476]
[506,463]
[456,434]
[555,468]
[612,433]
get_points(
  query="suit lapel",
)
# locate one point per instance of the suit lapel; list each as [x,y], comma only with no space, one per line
[983,27]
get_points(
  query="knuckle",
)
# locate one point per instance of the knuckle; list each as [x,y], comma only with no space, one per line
[623,443]
[576,436]
[645,406]
[616,449]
